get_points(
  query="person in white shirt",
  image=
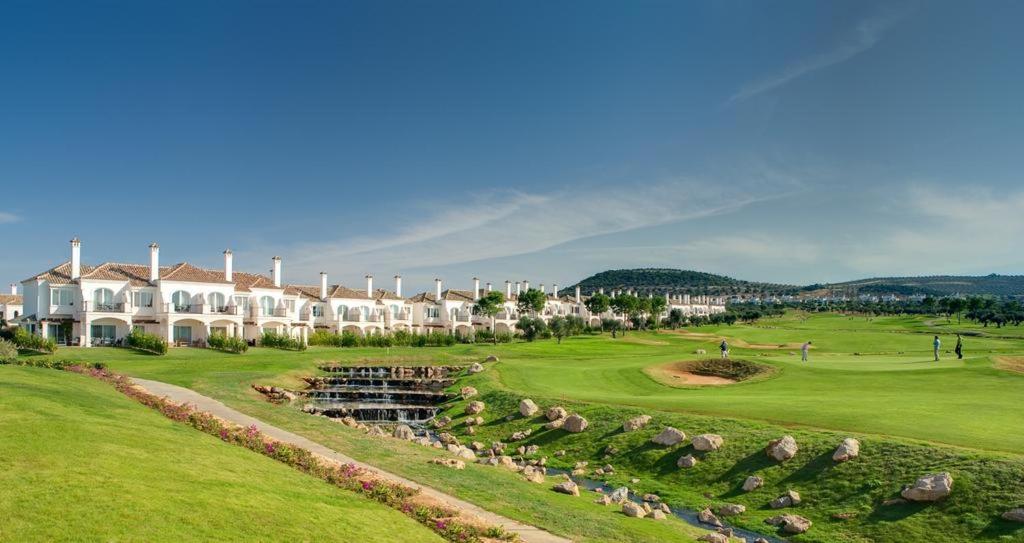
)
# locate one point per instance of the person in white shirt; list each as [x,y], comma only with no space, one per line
[803,351]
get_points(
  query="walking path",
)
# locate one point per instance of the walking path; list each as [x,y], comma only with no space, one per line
[529,534]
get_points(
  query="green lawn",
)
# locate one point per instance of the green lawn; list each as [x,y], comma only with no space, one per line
[81,462]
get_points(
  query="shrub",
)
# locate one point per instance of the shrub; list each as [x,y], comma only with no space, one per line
[227,344]
[150,343]
[8,352]
[326,339]
[349,339]
[32,342]
[281,341]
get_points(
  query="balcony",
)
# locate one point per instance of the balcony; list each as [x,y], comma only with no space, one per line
[192,309]
[223,310]
[103,308]
[462,317]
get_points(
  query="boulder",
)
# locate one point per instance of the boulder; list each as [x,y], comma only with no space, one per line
[631,509]
[789,499]
[521,435]
[534,474]
[447,439]
[506,461]
[351,422]
[731,509]
[555,424]
[468,392]
[560,453]
[527,408]
[574,424]
[619,495]
[603,500]
[555,413]
[531,450]
[465,452]
[474,408]
[652,498]
[567,487]
[687,461]
[669,436]
[403,431]
[475,367]
[449,462]
[442,422]
[752,483]
[707,442]
[707,517]
[849,448]
[929,488]
[657,514]
[376,431]
[782,449]
[1014,515]
[636,423]
[491,358]
[477,446]
[791,524]
[714,537]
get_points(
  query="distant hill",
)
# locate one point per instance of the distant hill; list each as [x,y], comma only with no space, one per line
[661,280]
[936,285]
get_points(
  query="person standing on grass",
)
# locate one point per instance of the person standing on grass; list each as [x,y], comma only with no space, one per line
[935,346]
[803,351]
[725,349]
[959,349]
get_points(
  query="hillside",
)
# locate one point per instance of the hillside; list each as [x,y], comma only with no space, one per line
[939,285]
[660,280]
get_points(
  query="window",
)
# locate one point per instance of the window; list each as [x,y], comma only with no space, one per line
[431,312]
[103,334]
[343,312]
[267,306]
[216,301]
[182,334]
[182,301]
[366,312]
[243,302]
[142,299]
[103,299]
[290,304]
[454,313]
[395,310]
[60,296]
[318,310]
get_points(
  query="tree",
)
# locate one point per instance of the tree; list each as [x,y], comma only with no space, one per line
[611,325]
[489,305]
[531,327]
[675,318]
[532,301]
[657,306]
[957,305]
[597,304]
[625,305]
[559,327]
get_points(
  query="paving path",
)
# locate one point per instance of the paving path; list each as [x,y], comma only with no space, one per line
[529,534]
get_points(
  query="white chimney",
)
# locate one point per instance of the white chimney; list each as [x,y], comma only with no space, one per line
[398,286]
[526,285]
[554,289]
[76,258]
[369,286]
[437,289]
[519,288]
[323,285]
[542,288]
[577,294]
[154,262]
[277,271]
[601,290]
[508,290]
[476,288]
[14,289]
[229,266]
[488,287]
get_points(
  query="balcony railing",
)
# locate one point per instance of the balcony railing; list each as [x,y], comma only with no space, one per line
[193,309]
[223,309]
[462,317]
[103,308]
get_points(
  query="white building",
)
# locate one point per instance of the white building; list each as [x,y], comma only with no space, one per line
[78,304]
[11,306]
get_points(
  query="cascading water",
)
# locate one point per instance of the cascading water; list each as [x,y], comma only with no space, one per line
[379,394]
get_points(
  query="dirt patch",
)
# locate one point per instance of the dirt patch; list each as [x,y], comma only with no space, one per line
[1014,364]
[709,372]
[691,378]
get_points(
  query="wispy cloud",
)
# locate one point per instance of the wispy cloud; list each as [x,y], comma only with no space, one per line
[864,36]
[508,223]
[6,217]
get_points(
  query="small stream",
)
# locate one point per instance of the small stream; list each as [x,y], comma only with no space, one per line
[379,394]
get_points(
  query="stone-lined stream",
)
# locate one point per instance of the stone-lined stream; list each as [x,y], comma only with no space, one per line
[379,394]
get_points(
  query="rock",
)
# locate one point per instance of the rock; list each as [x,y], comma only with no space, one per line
[442,422]
[521,435]
[619,495]
[714,538]
[350,422]
[376,431]
[473,408]
[556,413]
[791,524]
[608,469]
[789,499]
[475,367]
[687,461]
[447,439]
[491,358]
[534,474]
[929,488]
[425,441]
[555,424]
[477,446]
[449,462]
[657,514]
[599,471]
[636,423]
[498,446]
[468,392]
[849,448]
[634,481]
[579,472]
[665,508]
[582,464]
[1014,515]
[402,431]
[531,450]
[527,408]
[652,498]
[700,351]
[474,421]
[669,436]
[731,509]
[471,431]
[603,500]
[893,501]
[647,508]
[466,452]
[567,487]
[506,461]
[707,517]
[752,483]
[707,442]
[782,449]
[574,424]
[560,453]
[611,450]
[631,509]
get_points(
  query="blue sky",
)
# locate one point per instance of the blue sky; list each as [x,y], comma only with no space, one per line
[792,142]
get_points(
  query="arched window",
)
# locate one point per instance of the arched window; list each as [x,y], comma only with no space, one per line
[343,312]
[103,299]
[267,306]
[182,301]
[216,301]
[366,312]
[395,310]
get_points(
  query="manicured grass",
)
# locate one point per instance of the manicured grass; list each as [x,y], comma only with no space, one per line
[81,462]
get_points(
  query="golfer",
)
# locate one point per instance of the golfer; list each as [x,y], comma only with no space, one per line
[959,349]
[935,345]
[725,349]
[803,351]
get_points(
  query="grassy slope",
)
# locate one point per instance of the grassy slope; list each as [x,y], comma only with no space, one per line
[79,461]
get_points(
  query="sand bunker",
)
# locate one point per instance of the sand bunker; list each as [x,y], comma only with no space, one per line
[694,379]
[1010,363]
